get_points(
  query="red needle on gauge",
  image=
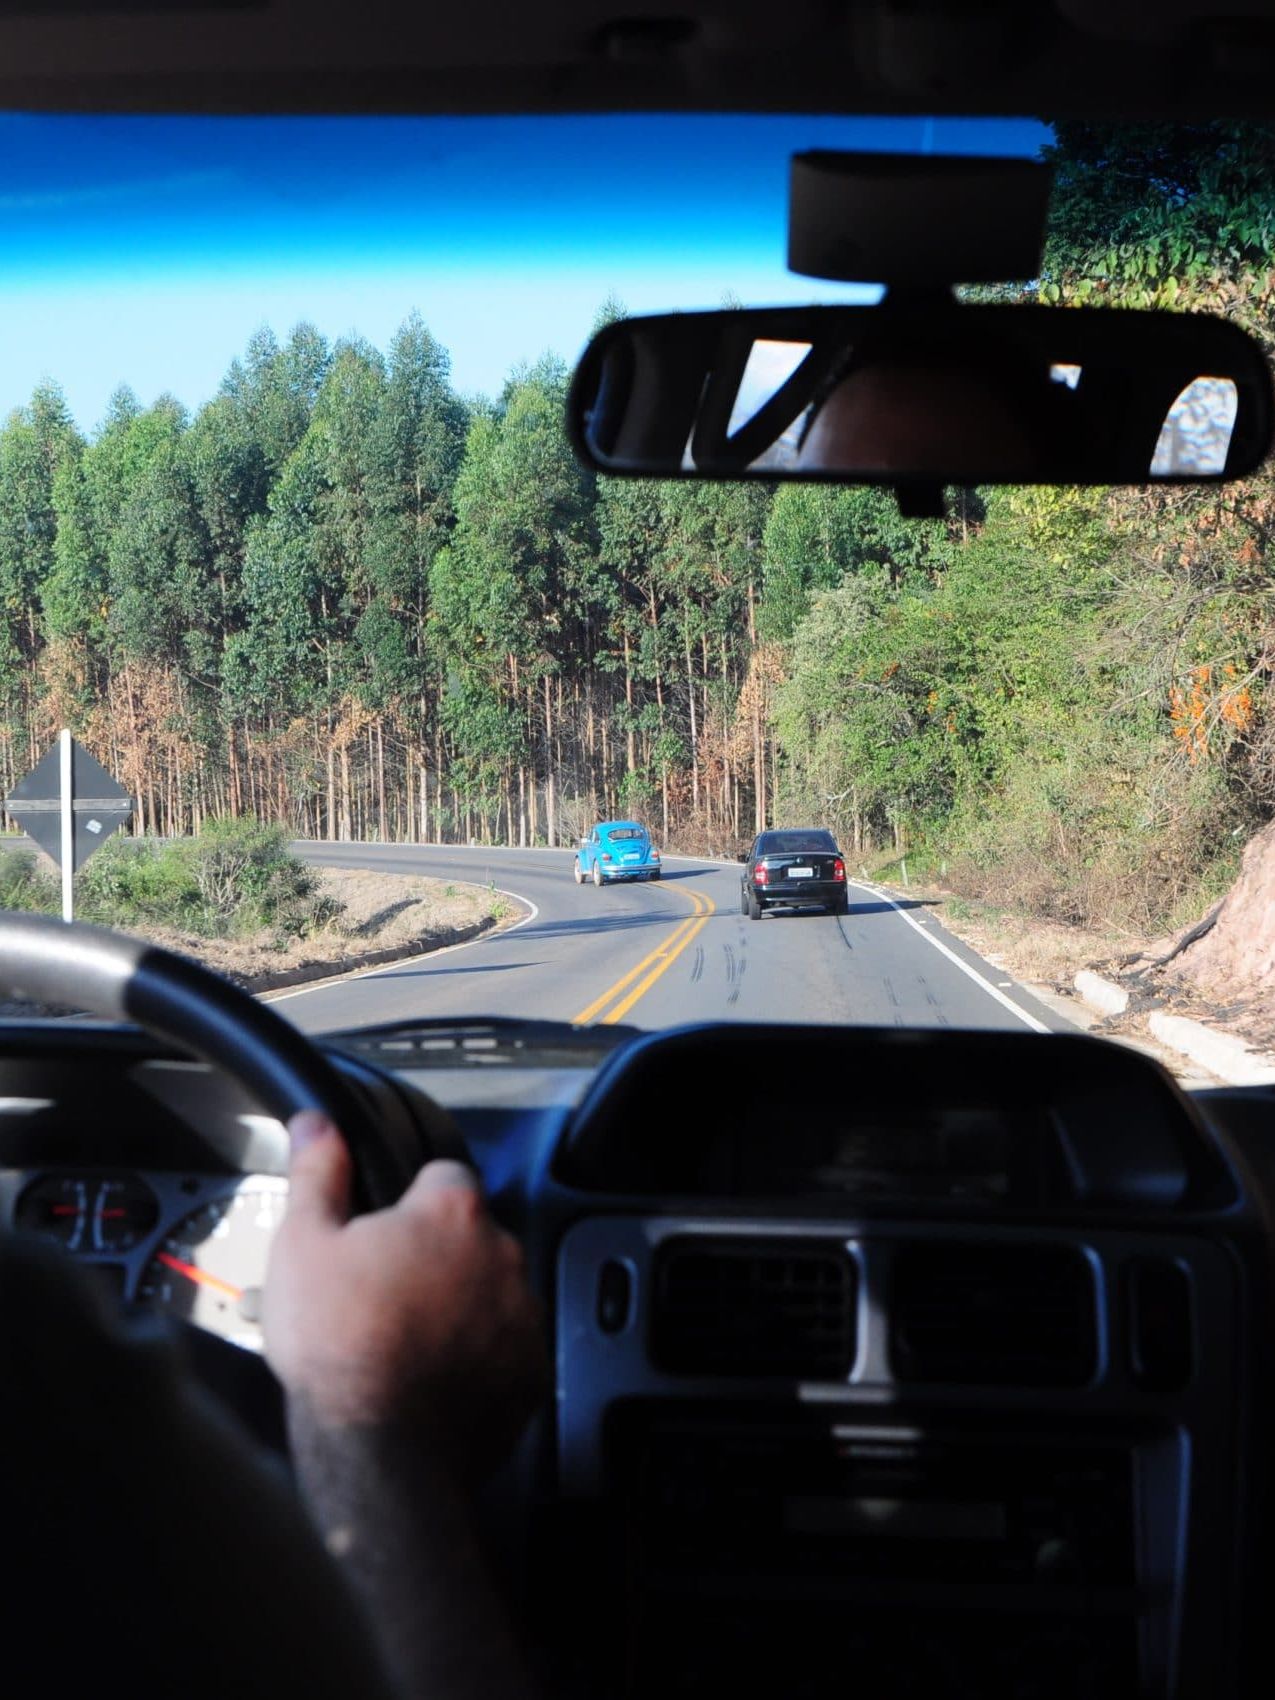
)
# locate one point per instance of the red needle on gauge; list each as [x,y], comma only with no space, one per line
[200,1277]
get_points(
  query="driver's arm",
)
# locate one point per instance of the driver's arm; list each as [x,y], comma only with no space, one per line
[411,1352]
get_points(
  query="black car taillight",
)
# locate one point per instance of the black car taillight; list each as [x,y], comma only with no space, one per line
[838,869]
[760,875]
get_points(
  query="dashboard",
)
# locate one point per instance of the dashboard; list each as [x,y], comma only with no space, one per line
[934,1359]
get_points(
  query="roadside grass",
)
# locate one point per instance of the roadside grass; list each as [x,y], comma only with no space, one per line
[501,908]
[237,880]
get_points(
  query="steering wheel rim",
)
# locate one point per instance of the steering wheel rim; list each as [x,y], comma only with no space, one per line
[108,974]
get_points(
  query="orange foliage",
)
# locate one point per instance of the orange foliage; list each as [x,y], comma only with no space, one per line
[1205,700]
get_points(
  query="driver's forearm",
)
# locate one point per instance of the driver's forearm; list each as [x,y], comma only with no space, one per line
[403,1532]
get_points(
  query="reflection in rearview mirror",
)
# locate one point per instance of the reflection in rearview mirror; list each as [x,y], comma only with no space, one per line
[924,394]
[769,366]
[1196,434]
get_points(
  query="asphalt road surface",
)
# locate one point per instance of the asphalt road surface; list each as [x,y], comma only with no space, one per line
[655,954]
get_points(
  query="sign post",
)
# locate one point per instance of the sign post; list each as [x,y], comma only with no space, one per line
[67,788]
[69,804]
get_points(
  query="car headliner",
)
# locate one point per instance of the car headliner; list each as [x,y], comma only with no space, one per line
[1114,58]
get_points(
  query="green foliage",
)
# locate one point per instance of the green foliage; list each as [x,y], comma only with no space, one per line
[1012,717]
[1144,203]
[26,883]
[816,536]
[237,879]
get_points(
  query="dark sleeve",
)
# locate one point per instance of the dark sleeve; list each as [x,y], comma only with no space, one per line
[146,1546]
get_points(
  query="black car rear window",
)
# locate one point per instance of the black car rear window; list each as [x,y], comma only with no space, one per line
[619,833]
[793,843]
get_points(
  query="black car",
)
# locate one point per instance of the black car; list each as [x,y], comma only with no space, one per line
[798,867]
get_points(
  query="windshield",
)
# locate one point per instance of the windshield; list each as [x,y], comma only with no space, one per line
[293,542]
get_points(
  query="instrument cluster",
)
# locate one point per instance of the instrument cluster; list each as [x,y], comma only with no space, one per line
[194,1246]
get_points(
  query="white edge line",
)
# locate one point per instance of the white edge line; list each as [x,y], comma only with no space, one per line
[420,956]
[991,990]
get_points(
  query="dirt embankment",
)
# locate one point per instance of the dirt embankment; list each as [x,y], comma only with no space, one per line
[383,916]
[1220,970]
[1223,967]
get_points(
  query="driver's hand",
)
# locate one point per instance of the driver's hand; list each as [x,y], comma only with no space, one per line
[420,1314]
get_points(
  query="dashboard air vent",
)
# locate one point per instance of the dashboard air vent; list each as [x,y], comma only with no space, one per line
[753,1307]
[1005,1316]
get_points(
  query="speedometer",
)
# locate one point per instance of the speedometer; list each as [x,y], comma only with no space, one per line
[211,1268]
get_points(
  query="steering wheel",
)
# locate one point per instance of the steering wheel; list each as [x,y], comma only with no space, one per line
[125,979]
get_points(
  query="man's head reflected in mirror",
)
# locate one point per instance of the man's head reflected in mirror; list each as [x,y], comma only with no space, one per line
[906,409]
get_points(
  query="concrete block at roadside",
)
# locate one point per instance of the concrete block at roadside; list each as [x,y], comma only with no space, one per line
[1221,1053]
[1103,995]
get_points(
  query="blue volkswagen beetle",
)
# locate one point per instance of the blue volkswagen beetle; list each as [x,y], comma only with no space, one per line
[617,850]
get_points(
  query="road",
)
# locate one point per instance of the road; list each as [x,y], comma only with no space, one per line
[652,955]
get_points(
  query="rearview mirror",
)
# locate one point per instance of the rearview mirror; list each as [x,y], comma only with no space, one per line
[924,393]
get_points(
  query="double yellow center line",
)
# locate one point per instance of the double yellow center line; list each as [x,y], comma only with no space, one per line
[620,999]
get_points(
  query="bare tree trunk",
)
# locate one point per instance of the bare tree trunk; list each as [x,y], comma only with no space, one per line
[438,783]
[759,753]
[551,819]
[690,699]
[380,779]
[631,744]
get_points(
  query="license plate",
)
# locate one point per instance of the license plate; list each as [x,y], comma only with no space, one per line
[801,873]
[632,856]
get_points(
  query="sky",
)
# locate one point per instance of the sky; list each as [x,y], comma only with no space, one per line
[147,251]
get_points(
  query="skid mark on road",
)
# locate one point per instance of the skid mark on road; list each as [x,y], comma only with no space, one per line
[923,929]
[735,966]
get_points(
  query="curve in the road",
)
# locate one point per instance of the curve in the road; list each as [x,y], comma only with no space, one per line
[631,952]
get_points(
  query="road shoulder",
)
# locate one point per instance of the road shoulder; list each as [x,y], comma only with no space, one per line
[1066,969]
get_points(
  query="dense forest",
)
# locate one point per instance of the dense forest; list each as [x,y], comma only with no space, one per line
[345,598]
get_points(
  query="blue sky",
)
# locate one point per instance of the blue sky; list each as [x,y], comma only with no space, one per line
[147,251]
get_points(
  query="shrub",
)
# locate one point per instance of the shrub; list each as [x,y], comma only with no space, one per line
[25,884]
[237,878]
[249,881]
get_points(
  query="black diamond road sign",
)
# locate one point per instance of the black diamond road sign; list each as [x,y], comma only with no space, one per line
[100,804]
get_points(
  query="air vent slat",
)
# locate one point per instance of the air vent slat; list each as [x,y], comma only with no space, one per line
[753,1308]
[994,1316]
